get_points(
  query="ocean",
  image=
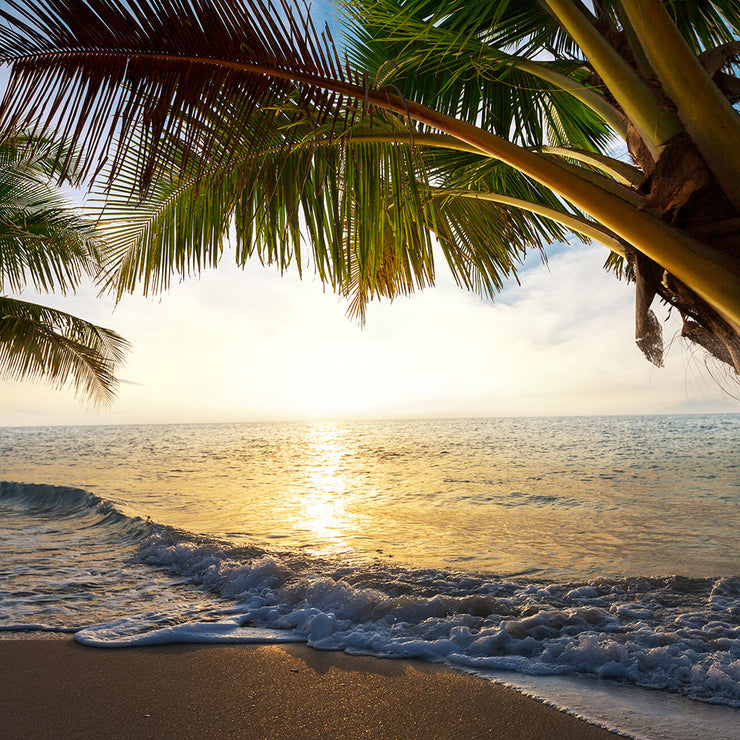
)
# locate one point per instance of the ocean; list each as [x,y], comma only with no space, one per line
[593,562]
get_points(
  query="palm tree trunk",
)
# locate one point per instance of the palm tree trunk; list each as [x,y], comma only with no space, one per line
[705,112]
[714,275]
[622,172]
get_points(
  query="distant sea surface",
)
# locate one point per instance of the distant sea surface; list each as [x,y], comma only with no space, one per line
[605,550]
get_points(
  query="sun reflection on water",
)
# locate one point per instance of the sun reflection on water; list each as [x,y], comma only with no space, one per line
[324,504]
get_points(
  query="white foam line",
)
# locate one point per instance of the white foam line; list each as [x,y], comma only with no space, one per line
[190,632]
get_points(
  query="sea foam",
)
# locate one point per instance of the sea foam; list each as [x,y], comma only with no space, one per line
[676,634]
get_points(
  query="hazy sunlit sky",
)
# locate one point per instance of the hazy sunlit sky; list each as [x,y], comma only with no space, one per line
[241,345]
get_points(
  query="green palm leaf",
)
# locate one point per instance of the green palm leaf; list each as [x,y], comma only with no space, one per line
[274,198]
[521,24]
[47,245]
[303,206]
[44,243]
[706,23]
[462,73]
[43,344]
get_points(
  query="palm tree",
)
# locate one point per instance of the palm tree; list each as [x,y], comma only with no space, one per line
[46,245]
[490,124]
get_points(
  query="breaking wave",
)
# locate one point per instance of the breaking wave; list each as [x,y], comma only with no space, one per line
[672,633]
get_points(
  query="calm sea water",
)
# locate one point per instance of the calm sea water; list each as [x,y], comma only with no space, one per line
[605,549]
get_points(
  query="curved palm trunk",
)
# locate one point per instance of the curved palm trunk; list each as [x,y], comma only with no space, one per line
[622,172]
[713,274]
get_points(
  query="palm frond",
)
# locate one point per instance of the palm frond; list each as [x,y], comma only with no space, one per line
[465,75]
[617,264]
[278,200]
[357,205]
[109,67]
[44,242]
[245,74]
[706,23]
[43,344]
[524,25]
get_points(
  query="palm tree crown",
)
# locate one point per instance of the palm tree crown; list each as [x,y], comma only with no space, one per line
[489,126]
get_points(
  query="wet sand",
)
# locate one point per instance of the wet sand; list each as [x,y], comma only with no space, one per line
[59,689]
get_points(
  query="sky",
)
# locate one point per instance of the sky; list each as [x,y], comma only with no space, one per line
[250,345]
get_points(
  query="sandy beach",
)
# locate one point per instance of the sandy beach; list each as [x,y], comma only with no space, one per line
[59,689]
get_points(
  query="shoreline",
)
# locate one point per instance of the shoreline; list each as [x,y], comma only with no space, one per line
[60,689]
